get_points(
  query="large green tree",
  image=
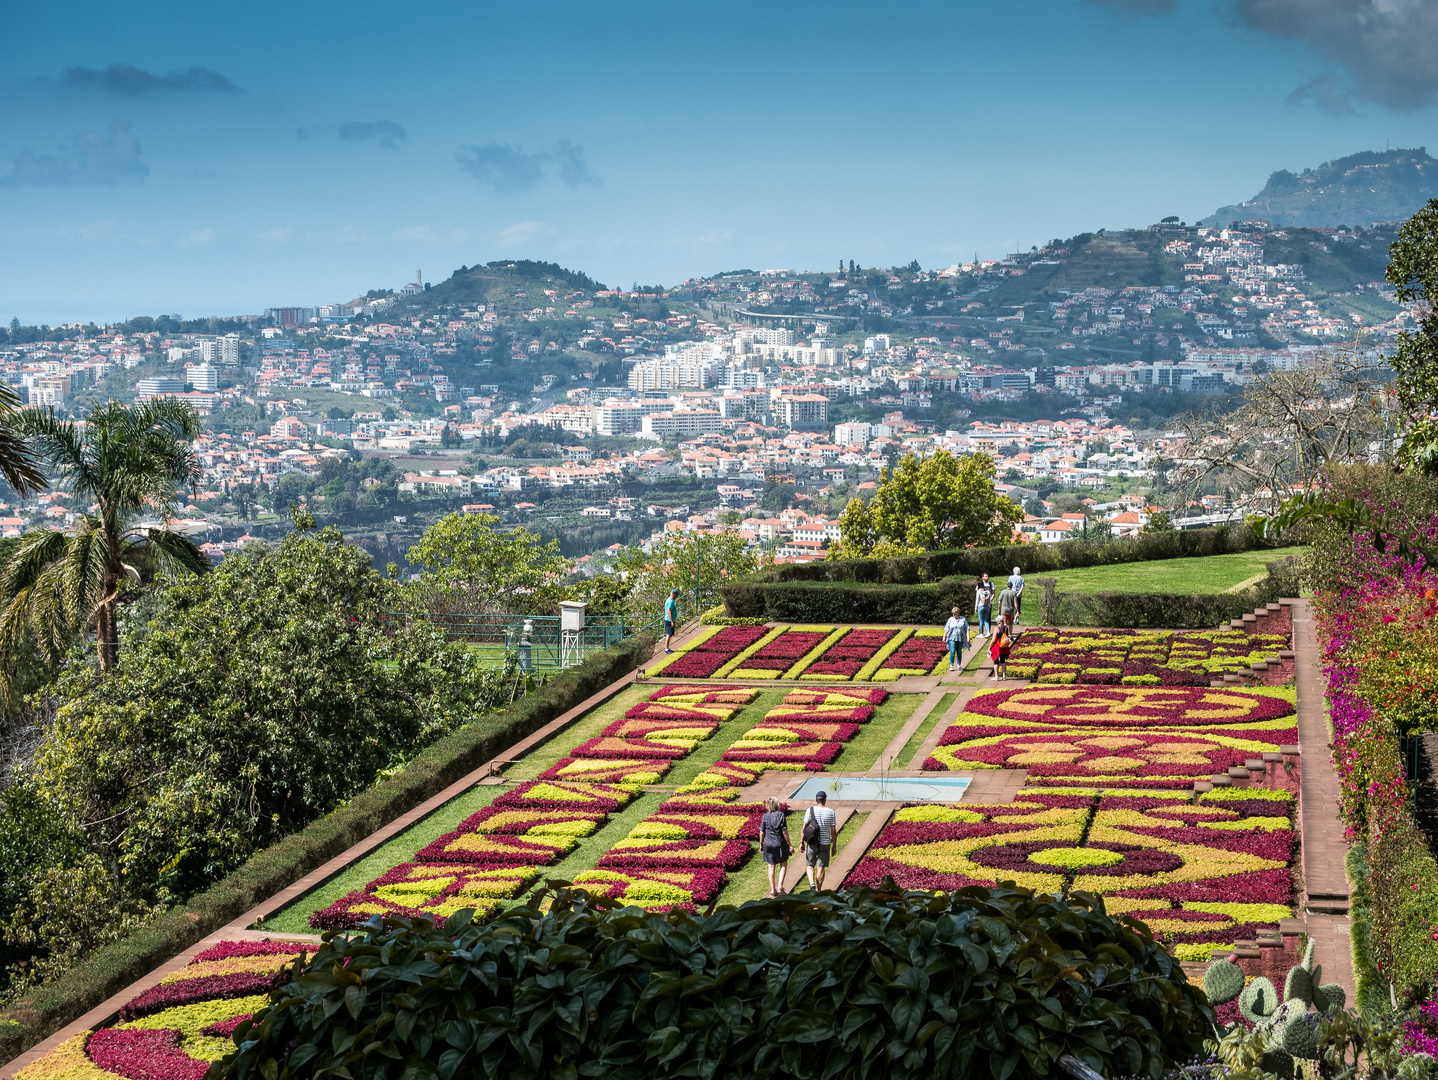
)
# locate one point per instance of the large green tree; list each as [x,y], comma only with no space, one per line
[249,701]
[694,563]
[1413,271]
[927,504]
[18,462]
[471,566]
[127,463]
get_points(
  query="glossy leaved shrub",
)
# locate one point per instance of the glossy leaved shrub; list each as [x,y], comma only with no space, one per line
[864,984]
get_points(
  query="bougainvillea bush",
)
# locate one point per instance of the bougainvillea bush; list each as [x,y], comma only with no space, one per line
[1377,620]
[1199,872]
[176,1029]
[1143,737]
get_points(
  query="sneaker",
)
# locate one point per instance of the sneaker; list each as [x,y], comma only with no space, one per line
[668,652]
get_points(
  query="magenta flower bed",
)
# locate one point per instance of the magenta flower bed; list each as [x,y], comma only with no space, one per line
[507,851]
[812,754]
[1255,887]
[860,714]
[227,950]
[846,669]
[225,1028]
[626,749]
[144,1054]
[698,665]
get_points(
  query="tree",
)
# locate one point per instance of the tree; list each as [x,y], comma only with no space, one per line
[128,461]
[1158,522]
[689,562]
[18,461]
[253,699]
[941,501]
[470,567]
[1413,272]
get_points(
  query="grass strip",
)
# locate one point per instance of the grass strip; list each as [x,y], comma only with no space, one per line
[925,729]
[586,727]
[861,753]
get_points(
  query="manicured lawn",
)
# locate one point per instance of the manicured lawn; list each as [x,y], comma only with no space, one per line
[862,751]
[902,759]
[1211,574]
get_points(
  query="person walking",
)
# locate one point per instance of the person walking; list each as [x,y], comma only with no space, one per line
[956,637]
[1008,608]
[984,605]
[820,824]
[999,652]
[774,843]
[1016,582]
[671,618]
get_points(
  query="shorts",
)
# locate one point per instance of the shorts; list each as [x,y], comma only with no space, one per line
[668,628]
[775,856]
[816,854]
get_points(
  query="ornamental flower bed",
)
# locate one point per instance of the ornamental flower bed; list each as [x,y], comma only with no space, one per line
[435,890]
[175,1030]
[656,890]
[1131,736]
[1201,872]
[806,756]
[705,654]
[923,654]
[630,772]
[1137,657]
[847,656]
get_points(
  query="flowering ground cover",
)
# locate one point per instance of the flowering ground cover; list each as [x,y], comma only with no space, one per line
[818,653]
[175,1030]
[1140,737]
[1202,871]
[1137,657]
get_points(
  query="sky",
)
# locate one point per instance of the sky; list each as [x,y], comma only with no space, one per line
[221,158]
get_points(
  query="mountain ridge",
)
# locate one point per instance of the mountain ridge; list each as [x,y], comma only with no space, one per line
[1369,186]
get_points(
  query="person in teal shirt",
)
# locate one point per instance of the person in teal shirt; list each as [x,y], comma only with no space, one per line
[671,618]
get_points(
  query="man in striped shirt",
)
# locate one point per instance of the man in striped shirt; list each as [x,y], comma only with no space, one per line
[816,853]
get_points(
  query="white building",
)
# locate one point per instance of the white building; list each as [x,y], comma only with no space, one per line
[681,423]
[204,377]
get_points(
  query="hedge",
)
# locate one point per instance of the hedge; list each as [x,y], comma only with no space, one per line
[966,985]
[933,566]
[52,1005]
[847,602]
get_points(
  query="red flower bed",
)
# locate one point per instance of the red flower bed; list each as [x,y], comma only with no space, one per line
[509,821]
[189,991]
[144,1054]
[648,710]
[860,714]
[225,1028]
[731,640]
[615,774]
[828,695]
[813,755]
[810,730]
[1254,887]
[1130,706]
[737,696]
[588,798]
[918,653]
[627,749]
[227,950]
[680,854]
[698,665]
[791,645]
[479,850]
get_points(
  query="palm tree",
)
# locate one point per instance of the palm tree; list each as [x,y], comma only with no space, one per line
[18,463]
[128,461]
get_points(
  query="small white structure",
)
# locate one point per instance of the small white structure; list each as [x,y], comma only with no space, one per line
[571,632]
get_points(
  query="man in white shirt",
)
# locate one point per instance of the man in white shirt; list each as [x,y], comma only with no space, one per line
[1016,582]
[816,852]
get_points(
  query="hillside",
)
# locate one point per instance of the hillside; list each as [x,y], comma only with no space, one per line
[1355,190]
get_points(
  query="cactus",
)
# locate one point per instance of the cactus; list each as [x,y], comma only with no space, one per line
[1278,1061]
[1307,964]
[1329,997]
[1298,986]
[1258,1001]
[1300,1036]
[1222,982]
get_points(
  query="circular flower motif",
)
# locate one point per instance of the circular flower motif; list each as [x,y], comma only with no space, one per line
[1097,859]
[1130,706]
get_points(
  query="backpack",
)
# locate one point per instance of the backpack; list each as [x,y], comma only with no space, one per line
[810,834]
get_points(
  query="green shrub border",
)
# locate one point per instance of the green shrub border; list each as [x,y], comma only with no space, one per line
[1032,558]
[52,1005]
[820,602]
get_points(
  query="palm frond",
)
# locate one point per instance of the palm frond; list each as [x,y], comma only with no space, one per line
[176,551]
[27,562]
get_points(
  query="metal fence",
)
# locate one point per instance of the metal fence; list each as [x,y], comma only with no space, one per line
[496,636]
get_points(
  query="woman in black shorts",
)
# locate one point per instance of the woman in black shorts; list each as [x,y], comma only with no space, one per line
[774,843]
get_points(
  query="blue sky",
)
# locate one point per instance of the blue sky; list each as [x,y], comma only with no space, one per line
[220,158]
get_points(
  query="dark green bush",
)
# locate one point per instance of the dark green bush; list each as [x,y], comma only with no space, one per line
[805,601]
[52,1005]
[1032,558]
[871,983]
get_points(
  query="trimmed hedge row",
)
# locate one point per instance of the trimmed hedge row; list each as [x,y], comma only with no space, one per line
[52,1005]
[932,566]
[848,602]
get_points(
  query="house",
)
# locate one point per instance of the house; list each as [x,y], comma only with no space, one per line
[1057,531]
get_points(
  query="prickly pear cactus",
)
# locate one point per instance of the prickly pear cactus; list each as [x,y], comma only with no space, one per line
[1298,986]
[1222,982]
[1278,1061]
[1329,997]
[1300,1036]
[1258,1001]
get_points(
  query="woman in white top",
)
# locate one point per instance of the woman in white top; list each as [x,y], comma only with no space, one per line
[956,637]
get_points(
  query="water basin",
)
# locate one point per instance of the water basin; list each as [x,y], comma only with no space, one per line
[893,789]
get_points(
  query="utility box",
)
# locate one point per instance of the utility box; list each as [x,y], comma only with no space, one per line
[571,615]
